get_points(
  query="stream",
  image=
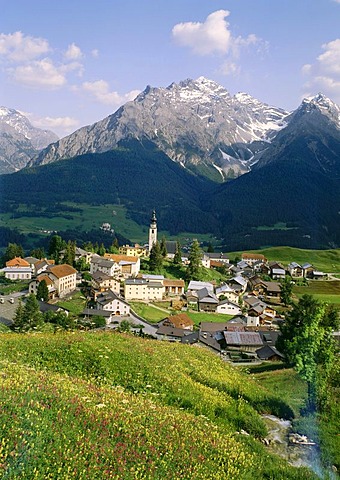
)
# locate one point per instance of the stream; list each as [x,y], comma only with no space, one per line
[296,455]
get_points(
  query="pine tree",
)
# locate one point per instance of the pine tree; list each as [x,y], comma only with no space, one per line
[19,318]
[70,253]
[156,258]
[42,291]
[56,245]
[178,255]
[101,250]
[195,262]
[164,251]
[33,318]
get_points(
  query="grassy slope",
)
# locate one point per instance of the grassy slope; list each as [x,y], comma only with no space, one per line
[111,406]
[325,291]
[324,260]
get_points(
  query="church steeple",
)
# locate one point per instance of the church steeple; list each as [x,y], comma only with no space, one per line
[153,230]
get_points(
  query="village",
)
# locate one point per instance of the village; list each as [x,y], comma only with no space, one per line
[251,297]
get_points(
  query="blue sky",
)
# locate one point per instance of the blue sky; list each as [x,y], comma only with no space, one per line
[73,62]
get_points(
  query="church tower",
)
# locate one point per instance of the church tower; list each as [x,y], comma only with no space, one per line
[152,230]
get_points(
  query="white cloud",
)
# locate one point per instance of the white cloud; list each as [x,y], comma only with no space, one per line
[57,123]
[212,36]
[39,73]
[230,68]
[73,52]
[324,73]
[95,53]
[100,90]
[18,47]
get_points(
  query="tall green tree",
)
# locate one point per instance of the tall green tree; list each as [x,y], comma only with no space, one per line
[38,253]
[13,250]
[28,317]
[308,343]
[195,262]
[56,245]
[19,318]
[178,254]
[42,291]
[286,290]
[156,258]
[164,251]
[70,253]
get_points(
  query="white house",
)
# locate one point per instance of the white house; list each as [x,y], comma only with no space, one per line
[17,269]
[228,308]
[111,302]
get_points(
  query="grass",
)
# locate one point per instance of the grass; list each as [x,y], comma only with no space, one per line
[107,405]
[284,382]
[148,312]
[75,303]
[324,291]
[199,317]
[7,289]
[324,260]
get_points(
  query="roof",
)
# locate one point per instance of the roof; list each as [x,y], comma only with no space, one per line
[100,276]
[152,277]
[171,246]
[294,265]
[267,352]
[108,297]
[121,258]
[204,295]
[63,270]
[181,320]
[196,285]
[48,307]
[173,283]
[31,260]
[253,256]
[224,288]
[240,280]
[102,262]
[278,271]
[45,277]
[213,326]
[242,338]
[17,262]
[272,286]
[172,332]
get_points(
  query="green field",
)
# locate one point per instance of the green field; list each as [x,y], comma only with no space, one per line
[148,312]
[113,406]
[324,260]
[324,291]
[199,317]
[75,303]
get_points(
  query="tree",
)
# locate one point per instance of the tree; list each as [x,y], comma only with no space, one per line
[70,253]
[101,250]
[42,291]
[19,319]
[286,290]
[28,317]
[164,251]
[124,326]
[195,262]
[38,253]
[156,258]
[13,250]
[56,245]
[114,248]
[308,343]
[178,255]
[210,248]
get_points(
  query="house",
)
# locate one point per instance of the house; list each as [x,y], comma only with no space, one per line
[172,334]
[48,307]
[79,253]
[181,320]
[42,265]
[212,327]
[207,300]
[100,264]
[143,289]
[111,302]
[101,282]
[239,282]
[275,269]
[195,285]
[252,258]
[243,341]
[33,285]
[228,308]
[136,251]
[60,280]
[295,270]
[129,265]
[307,269]
[173,287]
[269,352]
[228,292]
[17,269]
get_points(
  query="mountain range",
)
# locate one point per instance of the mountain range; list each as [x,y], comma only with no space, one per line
[174,148]
[19,140]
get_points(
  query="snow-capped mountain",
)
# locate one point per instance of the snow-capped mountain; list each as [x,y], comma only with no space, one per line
[19,140]
[197,123]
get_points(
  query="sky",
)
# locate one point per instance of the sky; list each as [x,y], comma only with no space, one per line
[69,63]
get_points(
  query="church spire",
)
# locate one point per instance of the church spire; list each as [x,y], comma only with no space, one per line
[153,230]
